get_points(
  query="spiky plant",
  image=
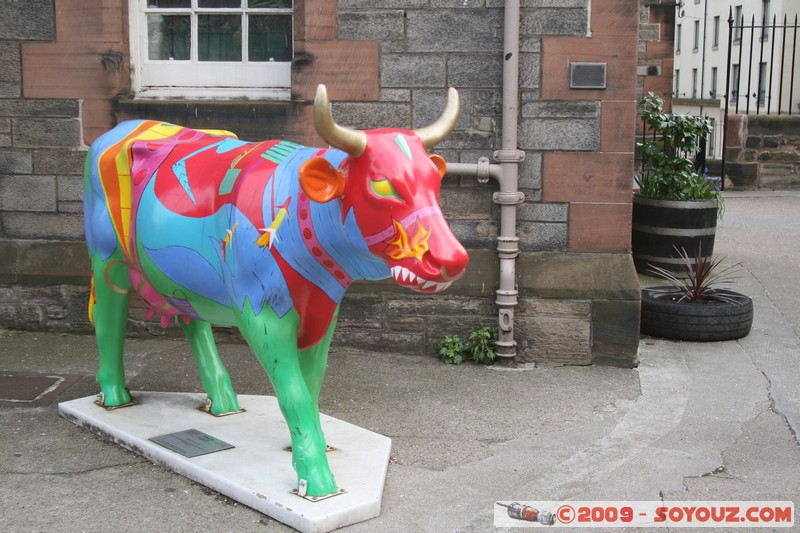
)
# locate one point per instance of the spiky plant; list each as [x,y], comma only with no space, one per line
[700,279]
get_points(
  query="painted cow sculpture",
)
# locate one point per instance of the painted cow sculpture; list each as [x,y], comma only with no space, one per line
[267,237]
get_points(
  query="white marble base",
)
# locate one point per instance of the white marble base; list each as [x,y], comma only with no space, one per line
[258,471]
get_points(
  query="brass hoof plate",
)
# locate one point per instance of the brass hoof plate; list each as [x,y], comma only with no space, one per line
[206,408]
[317,498]
[100,401]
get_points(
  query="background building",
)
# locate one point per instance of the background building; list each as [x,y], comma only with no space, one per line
[760,64]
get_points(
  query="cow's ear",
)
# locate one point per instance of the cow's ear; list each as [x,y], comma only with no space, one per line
[320,180]
[441,164]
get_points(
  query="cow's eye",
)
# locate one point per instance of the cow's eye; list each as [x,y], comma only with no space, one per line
[384,189]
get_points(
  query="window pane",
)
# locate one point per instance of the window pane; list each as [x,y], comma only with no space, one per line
[219,37]
[169,4]
[168,37]
[219,3]
[270,38]
[274,4]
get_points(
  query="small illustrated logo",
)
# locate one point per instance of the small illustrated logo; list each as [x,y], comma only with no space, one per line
[518,511]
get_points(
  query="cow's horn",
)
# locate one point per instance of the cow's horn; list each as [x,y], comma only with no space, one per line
[436,132]
[351,141]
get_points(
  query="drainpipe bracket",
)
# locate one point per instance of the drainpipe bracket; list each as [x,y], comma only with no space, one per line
[507,247]
[505,351]
[509,156]
[506,344]
[508,198]
[507,299]
[483,170]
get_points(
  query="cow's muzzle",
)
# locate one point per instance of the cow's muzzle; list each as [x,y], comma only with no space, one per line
[440,267]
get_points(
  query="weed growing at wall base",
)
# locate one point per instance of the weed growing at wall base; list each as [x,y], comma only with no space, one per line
[479,347]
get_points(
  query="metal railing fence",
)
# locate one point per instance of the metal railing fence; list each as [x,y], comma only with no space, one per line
[772,88]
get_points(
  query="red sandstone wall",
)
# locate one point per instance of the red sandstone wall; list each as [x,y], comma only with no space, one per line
[597,185]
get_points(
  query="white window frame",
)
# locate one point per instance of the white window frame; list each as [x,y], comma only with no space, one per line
[712,145]
[737,24]
[763,83]
[716,32]
[202,79]
[714,80]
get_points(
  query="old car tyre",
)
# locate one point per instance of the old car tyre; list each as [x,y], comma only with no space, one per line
[696,321]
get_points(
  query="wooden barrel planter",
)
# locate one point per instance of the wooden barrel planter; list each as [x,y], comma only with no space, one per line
[661,225]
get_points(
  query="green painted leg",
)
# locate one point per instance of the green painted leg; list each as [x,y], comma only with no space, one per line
[274,341]
[314,362]
[111,286]
[213,376]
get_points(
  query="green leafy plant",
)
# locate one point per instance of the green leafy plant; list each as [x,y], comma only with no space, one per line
[452,349]
[700,279]
[481,345]
[667,168]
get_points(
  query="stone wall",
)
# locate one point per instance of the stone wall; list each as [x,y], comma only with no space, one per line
[763,151]
[656,44]
[41,160]
[65,77]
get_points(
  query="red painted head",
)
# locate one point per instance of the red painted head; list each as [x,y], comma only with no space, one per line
[392,185]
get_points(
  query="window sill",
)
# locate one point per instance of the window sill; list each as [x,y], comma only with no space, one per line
[248,119]
[212,94]
[234,104]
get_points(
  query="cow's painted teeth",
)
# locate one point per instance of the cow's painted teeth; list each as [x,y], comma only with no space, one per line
[408,275]
[404,275]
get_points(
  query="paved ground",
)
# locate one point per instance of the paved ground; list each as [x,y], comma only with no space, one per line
[715,421]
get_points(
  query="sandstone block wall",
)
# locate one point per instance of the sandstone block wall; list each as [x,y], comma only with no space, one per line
[763,151]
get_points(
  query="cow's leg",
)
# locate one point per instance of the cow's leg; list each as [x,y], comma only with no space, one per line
[313,363]
[111,283]
[213,376]
[274,341]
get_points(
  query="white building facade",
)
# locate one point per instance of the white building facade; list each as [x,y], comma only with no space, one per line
[762,57]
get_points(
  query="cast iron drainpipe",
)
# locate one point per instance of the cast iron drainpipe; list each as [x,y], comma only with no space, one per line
[507,243]
[507,175]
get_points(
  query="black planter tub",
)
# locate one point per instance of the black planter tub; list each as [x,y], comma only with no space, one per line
[660,226]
